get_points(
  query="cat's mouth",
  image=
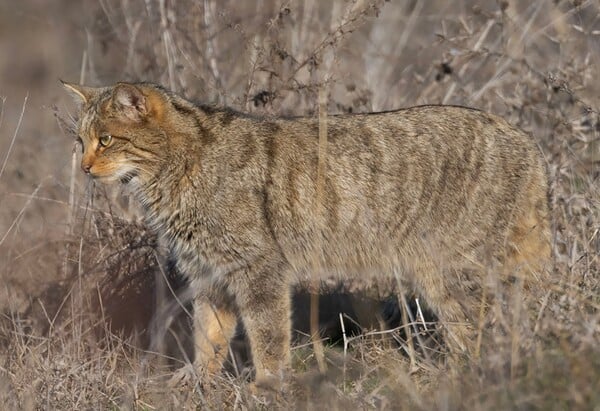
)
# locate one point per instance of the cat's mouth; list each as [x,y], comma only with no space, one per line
[124,178]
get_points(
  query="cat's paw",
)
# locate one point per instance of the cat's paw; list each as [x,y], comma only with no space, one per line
[184,377]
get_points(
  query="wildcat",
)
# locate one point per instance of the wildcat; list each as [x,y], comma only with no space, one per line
[421,193]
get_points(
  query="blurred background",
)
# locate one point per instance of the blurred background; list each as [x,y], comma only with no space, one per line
[535,63]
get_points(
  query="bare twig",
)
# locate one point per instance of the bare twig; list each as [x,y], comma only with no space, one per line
[14,137]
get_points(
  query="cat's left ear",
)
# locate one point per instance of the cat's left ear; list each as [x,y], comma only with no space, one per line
[130,102]
[81,93]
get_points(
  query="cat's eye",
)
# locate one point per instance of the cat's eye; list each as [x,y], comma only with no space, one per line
[105,140]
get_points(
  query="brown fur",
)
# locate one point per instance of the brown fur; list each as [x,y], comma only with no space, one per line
[422,193]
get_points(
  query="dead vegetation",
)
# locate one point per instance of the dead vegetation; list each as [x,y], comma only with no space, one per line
[91,313]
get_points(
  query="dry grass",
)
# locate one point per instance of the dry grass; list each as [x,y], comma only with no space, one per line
[91,313]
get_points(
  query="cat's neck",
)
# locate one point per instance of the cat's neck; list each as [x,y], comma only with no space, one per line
[177,184]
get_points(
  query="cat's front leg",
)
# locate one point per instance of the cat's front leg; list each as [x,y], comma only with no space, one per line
[214,326]
[262,294]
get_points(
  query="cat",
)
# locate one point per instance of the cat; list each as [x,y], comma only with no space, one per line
[418,193]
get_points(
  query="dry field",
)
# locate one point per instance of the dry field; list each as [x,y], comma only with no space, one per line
[93,315]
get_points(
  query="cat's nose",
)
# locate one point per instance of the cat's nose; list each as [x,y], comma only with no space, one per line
[86,167]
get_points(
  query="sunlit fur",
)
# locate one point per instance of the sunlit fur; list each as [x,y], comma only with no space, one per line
[438,197]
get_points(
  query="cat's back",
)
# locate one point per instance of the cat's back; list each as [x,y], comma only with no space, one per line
[421,134]
[432,149]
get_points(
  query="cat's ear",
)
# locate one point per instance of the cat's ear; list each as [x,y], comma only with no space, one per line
[130,102]
[82,94]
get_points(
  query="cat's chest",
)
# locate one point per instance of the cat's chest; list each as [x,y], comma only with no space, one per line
[198,243]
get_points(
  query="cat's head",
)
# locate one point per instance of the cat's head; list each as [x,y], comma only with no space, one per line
[121,130]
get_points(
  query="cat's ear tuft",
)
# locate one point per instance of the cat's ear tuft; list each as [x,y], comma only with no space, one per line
[129,101]
[81,93]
